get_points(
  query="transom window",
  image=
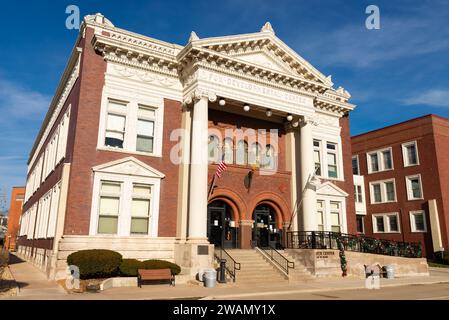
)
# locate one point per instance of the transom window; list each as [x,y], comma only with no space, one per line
[410,154]
[383,191]
[386,223]
[418,221]
[380,160]
[414,187]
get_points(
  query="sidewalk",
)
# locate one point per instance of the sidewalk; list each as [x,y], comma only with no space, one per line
[34,285]
[32,282]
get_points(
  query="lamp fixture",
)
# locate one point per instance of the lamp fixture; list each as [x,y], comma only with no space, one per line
[269,112]
[222,102]
[295,124]
[289,117]
[246,107]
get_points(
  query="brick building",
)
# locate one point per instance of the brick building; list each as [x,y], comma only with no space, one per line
[130,145]
[15,211]
[401,182]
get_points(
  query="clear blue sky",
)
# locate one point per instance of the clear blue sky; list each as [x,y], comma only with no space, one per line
[396,73]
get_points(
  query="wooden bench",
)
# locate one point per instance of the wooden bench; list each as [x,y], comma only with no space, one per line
[155,274]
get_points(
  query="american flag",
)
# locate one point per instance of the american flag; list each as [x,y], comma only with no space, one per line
[220,168]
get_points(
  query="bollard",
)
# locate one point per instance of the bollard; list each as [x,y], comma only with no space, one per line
[222,271]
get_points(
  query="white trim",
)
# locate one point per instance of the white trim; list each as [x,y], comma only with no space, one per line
[404,153]
[380,160]
[383,191]
[148,175]
[386,222]
[409,187]
[328,192]
[412,221]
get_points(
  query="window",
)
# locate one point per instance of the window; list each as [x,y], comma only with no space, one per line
[320,215]
[358,196]
[109,207]
[414,188]
[317,156]
[383,191]
[418,221]
[254,155]
[269,159]
[410,154]
[228,150]
[213,148]
[145,129]
[360,220]
[355,165]
[115,131]
[332,160]
[242,153]
[140,209]
[386,223]
[380,160]
[335,216]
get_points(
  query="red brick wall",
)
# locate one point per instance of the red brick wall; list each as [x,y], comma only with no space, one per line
[86,155]
[15,210]
[421,130]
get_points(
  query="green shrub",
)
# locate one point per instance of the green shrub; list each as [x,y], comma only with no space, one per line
[128,267]
[161,264]
[96,263]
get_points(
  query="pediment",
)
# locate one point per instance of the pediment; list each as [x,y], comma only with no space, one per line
[266,50]
[129,166]
[330,189]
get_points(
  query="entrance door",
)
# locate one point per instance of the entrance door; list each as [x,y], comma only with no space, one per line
[265,233]
[221,229]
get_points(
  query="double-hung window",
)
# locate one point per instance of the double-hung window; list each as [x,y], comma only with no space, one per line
[358,196]
[410,154]
[145,129]
[115,125]
[386,223]
[414,187]
[110,194]
[335,216]
[360,219]
[331,160]
[355,165]
[140,209]
[317,156]
[320,210]
[380,160]
[383,191]
[418,221]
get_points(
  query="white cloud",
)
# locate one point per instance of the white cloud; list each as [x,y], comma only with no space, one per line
[434,97]
[18,102]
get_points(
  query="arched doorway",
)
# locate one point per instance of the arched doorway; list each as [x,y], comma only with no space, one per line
[265,231]
[221,227]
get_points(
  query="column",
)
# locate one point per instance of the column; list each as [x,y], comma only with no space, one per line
[198,172]
[307,170]
[293,165]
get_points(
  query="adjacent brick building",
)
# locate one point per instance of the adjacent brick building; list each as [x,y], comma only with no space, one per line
[15,211]
[130,145]
[402,182]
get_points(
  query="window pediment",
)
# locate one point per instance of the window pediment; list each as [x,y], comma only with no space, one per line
[129,166]
[330,189]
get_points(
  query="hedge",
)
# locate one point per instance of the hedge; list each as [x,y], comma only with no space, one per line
[128,267]
[96,263]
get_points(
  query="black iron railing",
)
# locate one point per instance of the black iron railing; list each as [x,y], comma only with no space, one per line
[231,265]
[358,243]
[278,258]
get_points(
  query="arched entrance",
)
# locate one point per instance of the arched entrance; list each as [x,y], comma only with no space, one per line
[221,226]
[265,230]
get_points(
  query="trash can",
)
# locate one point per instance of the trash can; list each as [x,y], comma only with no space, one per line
[390,271]
[210,278]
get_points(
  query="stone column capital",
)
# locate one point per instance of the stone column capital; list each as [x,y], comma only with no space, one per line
[246,222]
[199,94]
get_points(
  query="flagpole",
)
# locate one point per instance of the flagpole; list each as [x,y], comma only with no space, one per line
[212,185]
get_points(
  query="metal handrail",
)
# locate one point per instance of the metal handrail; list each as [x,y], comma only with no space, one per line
[235,265]
[357,243]
[278,258]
